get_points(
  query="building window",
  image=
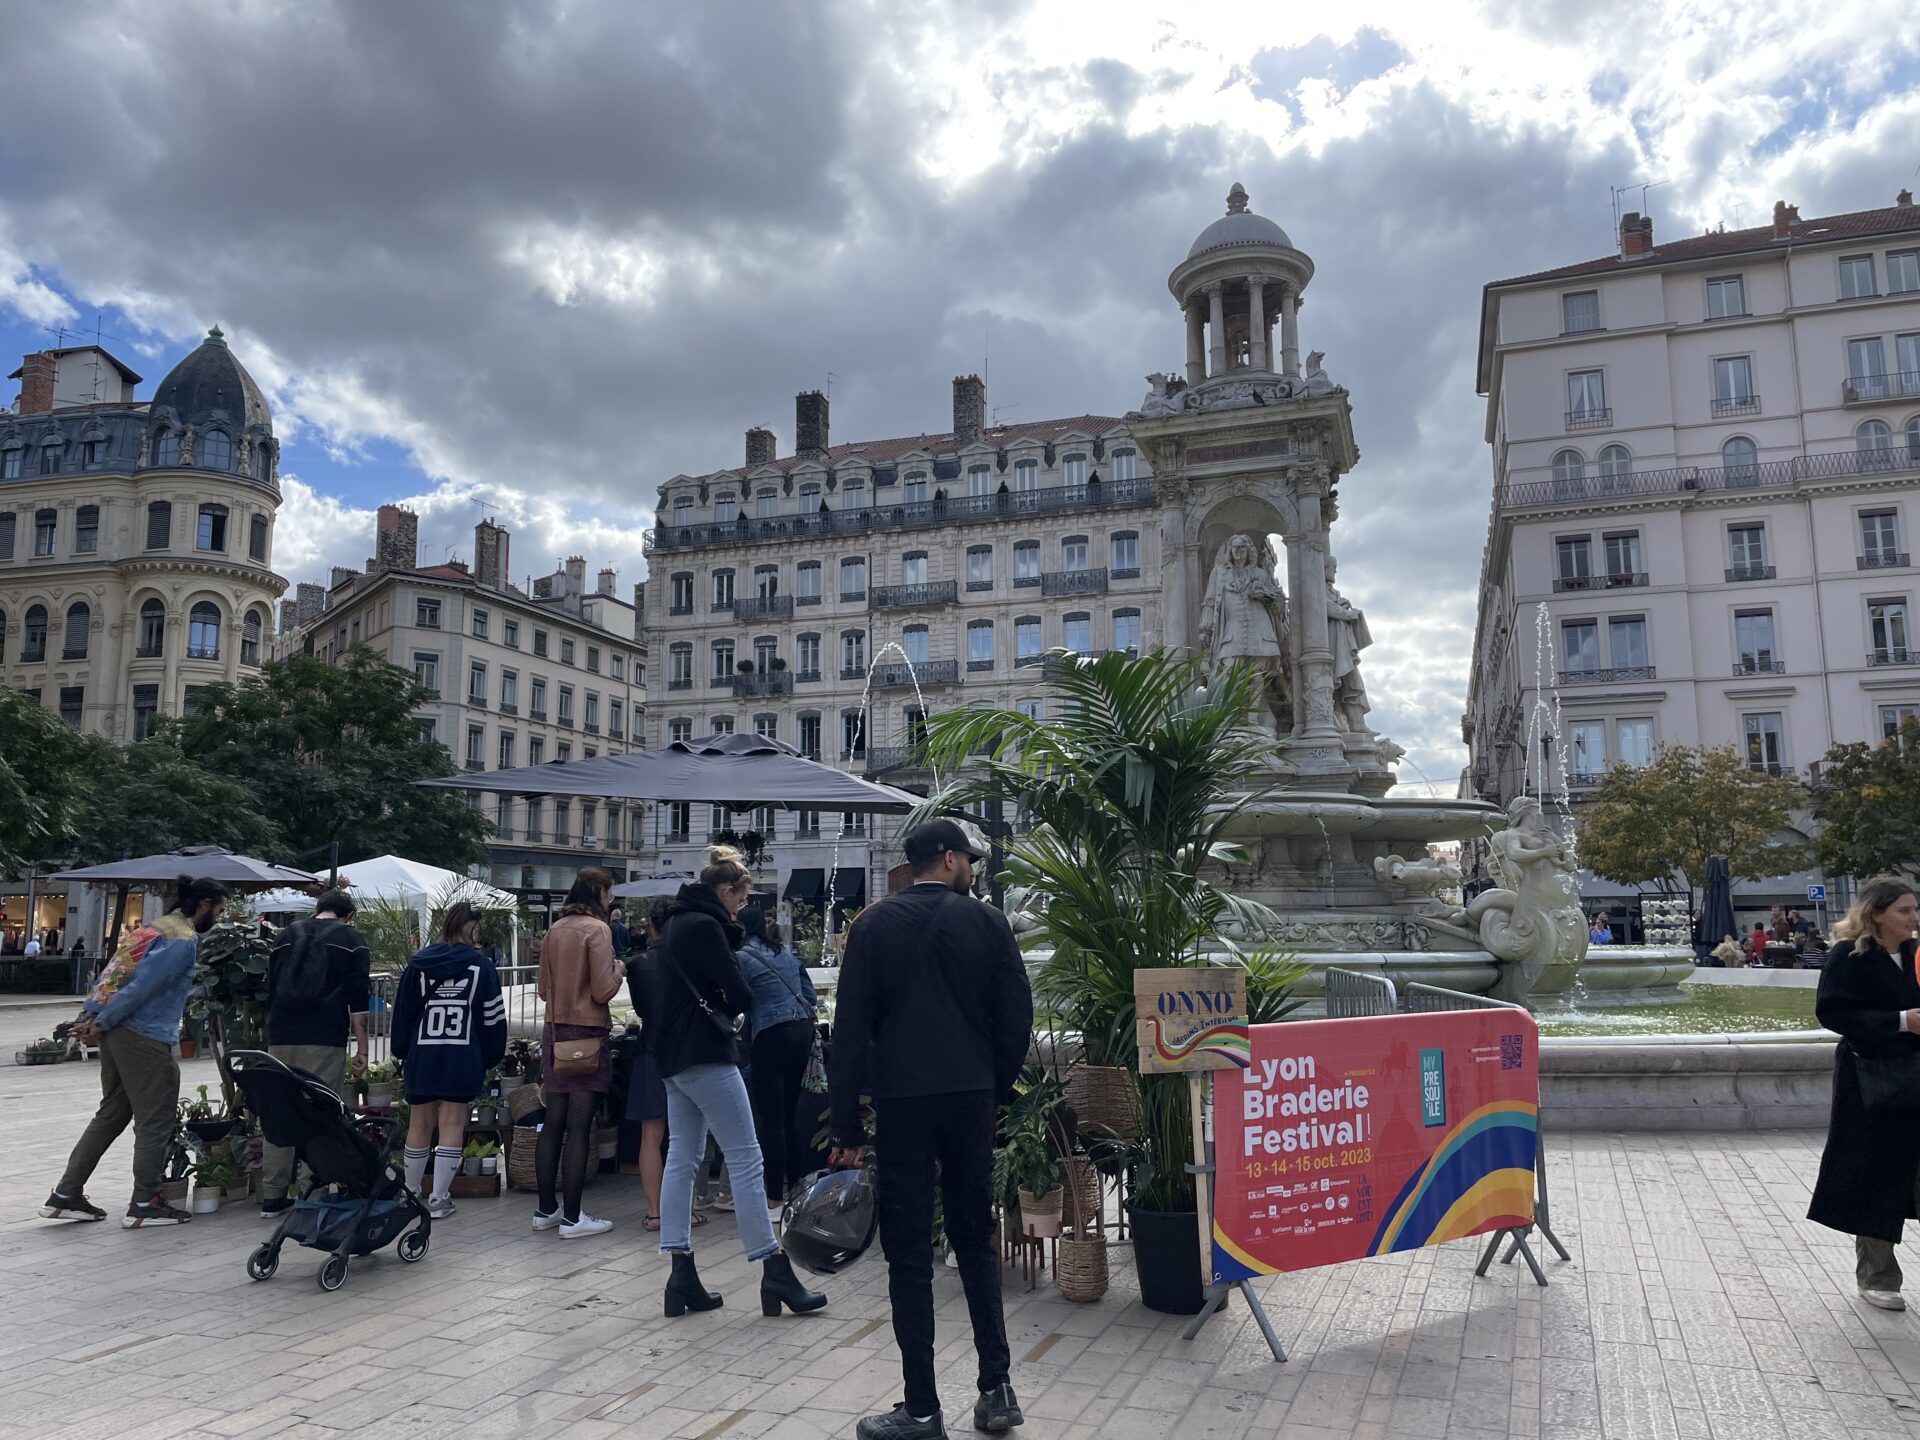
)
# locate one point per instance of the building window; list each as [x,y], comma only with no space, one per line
[590,717]
[723,590]
[806,657]
[1125,464]
[216,451]
[426,670]
[680,593]
[616,666]
[679,666]
[615,718]
[766,504]
[1874,441]
[853,578]
[1623,555]
[913,568]
[1746,552]
[50,458]
[536,749]
[853,735]
[765,648]
[166,447]
[806,582]
[1753,641]
[1633,742]
[1587,749]
[566,651]
[1032,709]
[1026,638]
[73,700]
[809,736]
[1892,716]
[1074,553]
[153,630]
[565,713]
[1026,476]
[477,683]
[539,642]
[1741,458]
[1026,563]
[1866,368]
[1569,472]
[1726,297]
[1123,550]
[913,640]
[722,725]
[159,524]
[257,539]
[250,639]
[1879,539]
[1586,397]
[79,621]
[980,645]
[593,659]
[679,731]
[766,727]
[1579,648]
[1856,277]
[726,508]
[262,463]
[86,530]
[979,480]
[9,464]
[46,525]
[915,488]
[6,535]
[479,623]
[537,698]
[679,821]
[1627,643]
[1887,631]
[722,671]
[426,614]
[203,631]
[146,705]
[853,654]
[766,581]
[1579,311]
[1126,631]
[1573,562]
[1903,271]
[1733,385]
[979,567]
[510,634]
[33,645]
[1766,744]
[212,532]
[1073,469]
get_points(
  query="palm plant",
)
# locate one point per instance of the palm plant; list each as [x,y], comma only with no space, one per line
[1132,784]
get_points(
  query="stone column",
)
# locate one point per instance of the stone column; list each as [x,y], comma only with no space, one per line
[1196,343]
[109,674]
[1290,329]
[1257,321]
[1217,323]
[1316,744]
[1174,604]
[173,641]
[231,660]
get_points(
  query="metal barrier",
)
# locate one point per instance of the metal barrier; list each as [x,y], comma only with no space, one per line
[1430,999]
[1358,994]
[518,985]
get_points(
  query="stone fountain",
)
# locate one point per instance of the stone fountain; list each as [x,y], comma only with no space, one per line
[1250,444]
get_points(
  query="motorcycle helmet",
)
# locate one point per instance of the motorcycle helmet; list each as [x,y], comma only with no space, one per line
[830,1221]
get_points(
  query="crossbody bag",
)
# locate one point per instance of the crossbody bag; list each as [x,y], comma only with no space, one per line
[727,1027]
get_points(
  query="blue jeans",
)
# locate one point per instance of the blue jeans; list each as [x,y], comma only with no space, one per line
[702,1098]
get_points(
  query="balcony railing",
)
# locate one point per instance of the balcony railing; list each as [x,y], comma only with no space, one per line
[1893,655]
[1021,662]
[1622,581]
[805,676]
[540,715]
[913,597]
[1614,676]
[1769,767]
[508,707]
[1737,573]
[686,609]
[979,667]
[770,682]
[1883,560]
[476,702]
[1725,406]
[884,759]
[1771,474]
[1074,582]
[1760,664]
[763,607]
[866,519]
[686,684]
[901,676]
[1866,389]
[1589,419]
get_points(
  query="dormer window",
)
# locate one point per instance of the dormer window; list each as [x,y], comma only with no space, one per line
[166,447]
[216,450]
[726,507]
[1073,469]
[916,488]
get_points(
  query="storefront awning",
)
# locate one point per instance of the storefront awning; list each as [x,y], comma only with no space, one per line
[808,885]
[850,886]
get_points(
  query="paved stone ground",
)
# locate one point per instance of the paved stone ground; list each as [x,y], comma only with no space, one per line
[1699,1306]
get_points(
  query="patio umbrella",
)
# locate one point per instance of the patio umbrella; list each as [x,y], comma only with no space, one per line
[742,772]
[202,862]
[1716,904]
[668,884]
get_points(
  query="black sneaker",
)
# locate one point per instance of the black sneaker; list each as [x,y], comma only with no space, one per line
[896,1424]
[273,1209]
[71,1207]
[152,1212]
[996,1411]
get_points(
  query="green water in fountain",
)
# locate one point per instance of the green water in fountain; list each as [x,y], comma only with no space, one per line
[1706,1010]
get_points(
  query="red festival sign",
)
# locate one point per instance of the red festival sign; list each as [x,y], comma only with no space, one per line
[1345,1138]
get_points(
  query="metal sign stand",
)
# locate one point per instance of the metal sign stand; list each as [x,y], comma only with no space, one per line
[1203,1170]
[1542,1221]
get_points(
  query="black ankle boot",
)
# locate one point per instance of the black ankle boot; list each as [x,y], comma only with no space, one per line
[780,1286]
[684,1290]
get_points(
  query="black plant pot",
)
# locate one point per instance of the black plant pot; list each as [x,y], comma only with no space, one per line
[212,1132]
[1166,1256]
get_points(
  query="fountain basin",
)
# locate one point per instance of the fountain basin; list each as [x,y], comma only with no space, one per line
[1728,1082]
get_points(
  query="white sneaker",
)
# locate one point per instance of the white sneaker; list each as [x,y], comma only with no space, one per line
[585,1225]
[1884,1299]
[548,1222]
[439,1207]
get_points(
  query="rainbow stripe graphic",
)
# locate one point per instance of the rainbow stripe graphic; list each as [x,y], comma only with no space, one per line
[1230,1041]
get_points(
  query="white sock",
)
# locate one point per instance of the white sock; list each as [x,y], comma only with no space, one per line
[446,1161]
[413,1160]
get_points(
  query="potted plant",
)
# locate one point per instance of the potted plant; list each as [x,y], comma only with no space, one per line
[215,1174]
[488,1153]
[1132,781]
[1028,1163]
[381,1080]
[44,1051]
[206,1118]
[745,667]
[470,1158]
[777,665]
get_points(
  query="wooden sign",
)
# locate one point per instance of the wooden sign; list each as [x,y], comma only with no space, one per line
[1192,1018]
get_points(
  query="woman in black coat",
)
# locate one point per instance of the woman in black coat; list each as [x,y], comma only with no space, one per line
[1870,997]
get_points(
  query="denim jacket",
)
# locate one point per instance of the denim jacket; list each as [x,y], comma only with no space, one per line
[769,974]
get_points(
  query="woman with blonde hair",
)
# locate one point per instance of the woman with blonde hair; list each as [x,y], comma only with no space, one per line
[579,976]
[1870,997]
[697,1002]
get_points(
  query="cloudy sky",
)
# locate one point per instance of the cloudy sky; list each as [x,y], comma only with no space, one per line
[542,256]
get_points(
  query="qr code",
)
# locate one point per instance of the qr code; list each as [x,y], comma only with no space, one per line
[1510,1051]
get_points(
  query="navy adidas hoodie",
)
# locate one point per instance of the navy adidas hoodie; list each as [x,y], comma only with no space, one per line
[449,1022]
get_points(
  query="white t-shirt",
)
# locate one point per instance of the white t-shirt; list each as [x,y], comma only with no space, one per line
[33,948]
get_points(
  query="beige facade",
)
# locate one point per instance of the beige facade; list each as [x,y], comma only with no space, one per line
[1706,478]
[519,679]
[831,597]
[136,537]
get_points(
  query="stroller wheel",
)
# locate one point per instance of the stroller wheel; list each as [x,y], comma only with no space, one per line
[333,1274]
[413,1246]
[263,1262]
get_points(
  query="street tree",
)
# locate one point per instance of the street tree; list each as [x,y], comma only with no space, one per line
[1868,804]
[1656,825]
[44,768]
[150,797]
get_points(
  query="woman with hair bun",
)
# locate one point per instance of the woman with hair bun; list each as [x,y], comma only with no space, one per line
[579,977]
[697,1001]
[1870,997]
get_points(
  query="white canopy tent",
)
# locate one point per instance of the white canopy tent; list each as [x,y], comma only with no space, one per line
[395,880]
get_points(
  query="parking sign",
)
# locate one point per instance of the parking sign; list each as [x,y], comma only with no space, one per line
[1816,894]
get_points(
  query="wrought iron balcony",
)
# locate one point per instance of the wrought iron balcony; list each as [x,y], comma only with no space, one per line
[1769,767]
[1725,406]
[680,609]
[768,682]
[1762,663]
[913,597]
[1883,560]
[476,702]
[1749,572]
[806,676]
[884,759]
[763,607]
[902,676]
[1622,581]
[1680,480]
[1074,582]
[508,707]
[1893,655]
[1589,419]
[1614,676]
[1868,389]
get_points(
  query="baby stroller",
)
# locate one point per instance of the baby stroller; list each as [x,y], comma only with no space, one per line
[372,1205]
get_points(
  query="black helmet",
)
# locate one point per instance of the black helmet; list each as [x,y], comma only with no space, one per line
[831,1220]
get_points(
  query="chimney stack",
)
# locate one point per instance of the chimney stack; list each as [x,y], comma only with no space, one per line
[1785,217]
[289,616]
[1904,199]
[1636,233]
[341,575]
[396,543]
[36,383]
[490,555]
[606,580]
[810,440]
[760,444]
[309,600]
[969,409]
[576,575]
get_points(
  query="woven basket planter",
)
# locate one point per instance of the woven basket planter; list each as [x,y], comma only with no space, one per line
[1105,1098]
[1083,1197]
[1080,1270]
[520,1172]
[1040,1214]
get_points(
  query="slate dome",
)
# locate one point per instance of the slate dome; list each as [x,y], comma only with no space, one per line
[1239,226]
[211,384]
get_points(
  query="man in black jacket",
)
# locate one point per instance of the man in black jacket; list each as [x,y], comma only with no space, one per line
[933,1021]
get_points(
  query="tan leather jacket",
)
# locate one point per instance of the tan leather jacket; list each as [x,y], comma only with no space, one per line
[578,974]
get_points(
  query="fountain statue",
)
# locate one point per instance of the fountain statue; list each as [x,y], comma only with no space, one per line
[1532,922]
[1243,620]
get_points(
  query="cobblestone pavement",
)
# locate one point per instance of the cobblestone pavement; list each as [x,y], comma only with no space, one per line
[1699,1306]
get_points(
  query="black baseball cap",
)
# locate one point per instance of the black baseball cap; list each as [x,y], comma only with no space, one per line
[936,837]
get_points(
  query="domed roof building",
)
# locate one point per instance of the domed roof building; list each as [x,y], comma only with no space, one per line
[1242,275]
[208,413]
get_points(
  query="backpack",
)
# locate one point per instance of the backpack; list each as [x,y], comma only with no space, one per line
[302,972]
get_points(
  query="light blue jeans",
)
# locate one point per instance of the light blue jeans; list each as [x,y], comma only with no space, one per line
[702,1098]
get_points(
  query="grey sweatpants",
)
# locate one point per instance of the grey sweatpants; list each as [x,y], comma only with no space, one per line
[139,1083]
